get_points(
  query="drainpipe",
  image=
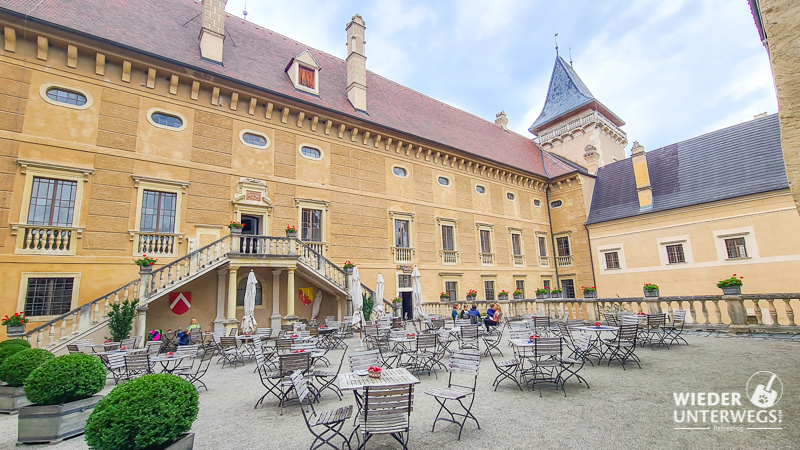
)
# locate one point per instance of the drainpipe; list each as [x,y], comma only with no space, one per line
[591,261]
[552,238]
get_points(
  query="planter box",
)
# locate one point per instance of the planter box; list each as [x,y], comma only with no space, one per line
[444,299]
[291,234]
[519,297]
[590,295]
[471,299]
[348,270]
[15,329]
[54,423]
[555,295]
[12,398]
[734,290]
[184,443]
[235,230]
[651,293]
[502,298]
[542,296]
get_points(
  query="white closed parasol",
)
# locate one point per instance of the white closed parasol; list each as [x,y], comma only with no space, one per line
[358,301]
[316,305]
[248,321]
[377,309]
[416,294]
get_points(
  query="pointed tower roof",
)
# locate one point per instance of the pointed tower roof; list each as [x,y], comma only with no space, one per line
[567,94]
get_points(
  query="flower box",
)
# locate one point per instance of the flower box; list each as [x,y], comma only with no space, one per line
[503,296]
[590,294]
[555,295]
[235,231]
[291,234]
[54,423]
[15,329]
[518,296]
[732,290]
[12,398]
[348,270]
[651,293]
[542,296]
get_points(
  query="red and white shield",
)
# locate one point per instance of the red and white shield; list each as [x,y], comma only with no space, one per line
[180,302]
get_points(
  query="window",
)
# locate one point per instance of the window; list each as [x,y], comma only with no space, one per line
[59,95]
[305,76]
[48,296]
[488,288]
[542,246]
[311,226]
[612,260]
[451,287]
[242,287]
[404,281]
[546,284]
[167,120]
[480,189]
[537,203]
[736,248]
[563,246]
[401,238]
[310,152]
[254,139]
[520,286]
[675,254]
[158,212]
[52,202]
[568,286]
[510,196]
[448,241]
[556,204]
[399,172]
[486,241]
[516,244]
[443,181]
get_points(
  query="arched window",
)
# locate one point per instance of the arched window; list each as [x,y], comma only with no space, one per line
[66,97]
[240,293]
[311,152]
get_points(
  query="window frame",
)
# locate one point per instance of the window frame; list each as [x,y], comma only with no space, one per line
[403,168]
[311,146]
[517,281]
[311,228]
[736,247]
[672,240]
[487,290]
[160,211]
[564,289]
[513,197]
[568,246]
[541,239]
[482,187]
[560,204]
[154,184]
[245,131]
[53,200]
[489,230]
[402,288]
[441,177]
[167,112]
[322,206]
[23,290]
[681,255]
[452,237]
[243,277]
[313,73]
[395,222]
[51,85]
[537,203]
[616,265]
[745,233]
[454,292]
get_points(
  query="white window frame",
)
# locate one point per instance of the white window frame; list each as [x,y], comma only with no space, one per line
[315,147]
[493,279]
[619,248]
[511,233]
[408,172]
[168,112]
[258,133]
[750,243]
[688,254]
[23,289]
[490,228]
[50,85]
[442,222]
[320,205]
[449,181]
[154,184]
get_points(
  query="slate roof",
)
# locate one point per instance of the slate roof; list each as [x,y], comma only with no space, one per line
[732,162]
[567,93]
[255,56]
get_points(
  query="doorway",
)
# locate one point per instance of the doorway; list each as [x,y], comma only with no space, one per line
[408,305]
[252,226]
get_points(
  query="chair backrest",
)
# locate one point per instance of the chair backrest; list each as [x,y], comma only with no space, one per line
[283,345]
[84,343]
[426,342]
[300,385]
[611,319]
[308,346]
[73,348]
[469,332]
[383,403]
[437,324]
[191,350]
[332,324]
[464,362]
[627,332]
[679,316]
[136,340]
[371,330]
[114,361]
[224,342]
[289,362]
[546,347]
[313,330]
[462,322]
[196,334]
[329,319]
[541,322]
[153,347]
[656,320]
[621,314]
[628,319]
[232,332]
[519,334]
[128,343]
[263,331]
[137,363]
[363,360]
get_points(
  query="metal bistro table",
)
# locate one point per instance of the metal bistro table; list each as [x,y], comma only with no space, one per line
[166,360]
[351,381]
[596,343]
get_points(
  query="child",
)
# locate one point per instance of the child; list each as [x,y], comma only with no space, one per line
[455,312]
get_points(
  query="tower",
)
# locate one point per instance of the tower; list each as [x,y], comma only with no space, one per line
[356,64]
[575,125]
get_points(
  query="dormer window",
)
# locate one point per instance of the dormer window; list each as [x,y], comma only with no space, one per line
[303,71]
[306,77]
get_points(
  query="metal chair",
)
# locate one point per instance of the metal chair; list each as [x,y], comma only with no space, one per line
[577,359]
[654,333]
[387,410]
[331,420]
[229,352]
[194,374]
[623,346]
[73,348]
[674,330]
[468,338]
[423,359]
[128,343]
[233,332]
[327,378]
[137,365]
[466,363]
[547,366]
[152,347]
[541,325]
[115,365]
[611,319]
[492,341]
[507,370]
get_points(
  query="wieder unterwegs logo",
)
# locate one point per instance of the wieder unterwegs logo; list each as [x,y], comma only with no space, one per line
[731,411]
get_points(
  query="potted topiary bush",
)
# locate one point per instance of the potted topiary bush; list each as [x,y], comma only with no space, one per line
[62,391]
[152,412]
[13,372]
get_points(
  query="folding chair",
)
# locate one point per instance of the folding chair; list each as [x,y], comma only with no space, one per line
[547,362]
[468,339]
[611,319]
[327,378]
[362,361]
[152,347]
[577,359]
[622,347]
[507,370]
[462,322]
[194,375]
[387,410]
[423,359]
[674,330]
[229,352]
[492,341]
[288,363]
[128,343]
[115,365]
[654,330]
[233,332]
[73,348]
[137,365]
[331,420]
[541,325]
[466,363]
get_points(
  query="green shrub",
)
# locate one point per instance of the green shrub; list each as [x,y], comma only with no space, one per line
[22,342]
[16,368]
[9,350]
[120,319]
[144,413]
[66,379]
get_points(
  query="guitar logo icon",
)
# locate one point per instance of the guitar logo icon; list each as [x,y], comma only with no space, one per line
[765,396]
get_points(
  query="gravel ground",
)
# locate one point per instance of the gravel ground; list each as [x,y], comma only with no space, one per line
[622,409]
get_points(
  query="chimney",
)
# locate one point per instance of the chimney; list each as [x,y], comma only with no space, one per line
[356,64]
[501,120]
[758,116]
[212,35]
[642,175]
[592,159]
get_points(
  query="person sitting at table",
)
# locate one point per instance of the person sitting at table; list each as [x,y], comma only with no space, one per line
[474,314]
[183,337]
[491,317]
[464,312]
[193,324]
[455,313]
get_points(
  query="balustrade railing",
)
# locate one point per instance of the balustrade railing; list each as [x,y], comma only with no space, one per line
[487,259]
[519,260]
[314,260]
[317,246]
[564,261]
[449,257]
[190,265]
[580,122]
[544,261]
[45,240]
[402,255]
[156,244]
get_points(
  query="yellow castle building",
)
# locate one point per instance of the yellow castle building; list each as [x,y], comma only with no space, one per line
[120,141]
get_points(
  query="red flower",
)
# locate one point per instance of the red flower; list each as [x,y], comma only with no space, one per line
[597,324]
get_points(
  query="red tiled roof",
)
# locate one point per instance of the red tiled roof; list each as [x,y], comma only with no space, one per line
[256,56]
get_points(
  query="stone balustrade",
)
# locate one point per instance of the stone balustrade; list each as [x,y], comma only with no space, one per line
[402,255]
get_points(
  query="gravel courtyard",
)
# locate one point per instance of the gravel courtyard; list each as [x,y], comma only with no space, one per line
[622,409]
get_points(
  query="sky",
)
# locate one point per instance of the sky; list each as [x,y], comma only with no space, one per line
[671,69]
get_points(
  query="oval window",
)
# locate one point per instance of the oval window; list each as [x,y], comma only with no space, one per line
[311,152]
[443,181]
[556,203]
[480,189]
[66,97]
[254,140]
[166,120]
[399,171]
[510,196]
[536,202]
